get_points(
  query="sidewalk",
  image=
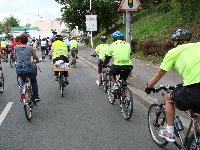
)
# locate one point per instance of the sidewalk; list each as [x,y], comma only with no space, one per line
[142,72]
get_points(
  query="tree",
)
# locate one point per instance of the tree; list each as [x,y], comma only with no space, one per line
[73,12]
[11,21]
[7,23]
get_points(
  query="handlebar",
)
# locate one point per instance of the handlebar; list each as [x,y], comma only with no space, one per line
[165,88]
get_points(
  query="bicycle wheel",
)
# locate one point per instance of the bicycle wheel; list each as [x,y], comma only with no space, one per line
[28,105]
[2,84]
[62,85]
[192,144]
[111,96]
[11,61]
[126,105]
[104,81]
[74,62]
[156,121]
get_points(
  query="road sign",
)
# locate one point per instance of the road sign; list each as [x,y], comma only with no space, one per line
[91,22]
[130,5]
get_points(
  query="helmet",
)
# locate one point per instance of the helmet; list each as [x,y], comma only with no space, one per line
[58,37]
[181,35]
[103,38]
[118,35]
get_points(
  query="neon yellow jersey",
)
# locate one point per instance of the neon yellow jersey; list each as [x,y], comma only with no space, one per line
[185,59]
[121,52]
[102,50]
[4,43]
[59,48]
[73,44]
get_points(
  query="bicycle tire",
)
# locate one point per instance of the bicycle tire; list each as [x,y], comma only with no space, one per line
[74,62]
[2,85]
[28,105]
[191,144]
[28,111]
[159,121]
[62,85]
[11,61]
[126,105]
[111,96]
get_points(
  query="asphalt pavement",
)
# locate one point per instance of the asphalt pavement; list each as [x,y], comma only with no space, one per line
[82,120]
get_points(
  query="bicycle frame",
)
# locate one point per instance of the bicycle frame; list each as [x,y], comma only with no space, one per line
[185,139]
[193,121]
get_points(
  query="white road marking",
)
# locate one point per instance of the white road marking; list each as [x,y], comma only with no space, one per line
[5,112]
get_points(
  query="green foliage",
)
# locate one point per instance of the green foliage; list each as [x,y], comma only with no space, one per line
[7,23]
[73,12]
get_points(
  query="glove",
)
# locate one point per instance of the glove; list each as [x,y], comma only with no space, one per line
[149,90]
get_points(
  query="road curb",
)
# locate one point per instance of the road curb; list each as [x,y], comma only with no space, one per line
[145,99]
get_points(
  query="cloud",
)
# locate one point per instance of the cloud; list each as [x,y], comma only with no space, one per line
[31,10]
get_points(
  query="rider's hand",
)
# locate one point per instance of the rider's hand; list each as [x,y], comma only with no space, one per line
[148,90]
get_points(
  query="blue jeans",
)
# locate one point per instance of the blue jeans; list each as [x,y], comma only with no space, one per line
[32,76]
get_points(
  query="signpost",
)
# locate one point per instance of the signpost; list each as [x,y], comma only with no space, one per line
[91,24]
[129,6]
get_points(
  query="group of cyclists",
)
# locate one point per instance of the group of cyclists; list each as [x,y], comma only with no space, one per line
[184,58]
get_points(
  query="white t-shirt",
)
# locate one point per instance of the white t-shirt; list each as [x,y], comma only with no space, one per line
[43,43]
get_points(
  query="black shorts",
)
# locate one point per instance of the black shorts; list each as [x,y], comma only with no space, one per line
[74,51]
[187,97]
[123,71]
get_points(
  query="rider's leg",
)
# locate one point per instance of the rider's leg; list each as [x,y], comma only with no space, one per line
[34,84]
[113,73]
[100,63]
[170,110]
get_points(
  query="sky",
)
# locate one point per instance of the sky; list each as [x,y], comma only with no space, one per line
[30,10]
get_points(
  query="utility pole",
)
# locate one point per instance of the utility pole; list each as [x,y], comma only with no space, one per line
[91,31]
[128,27]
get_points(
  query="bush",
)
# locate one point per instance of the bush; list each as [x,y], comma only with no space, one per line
[133,45]
[152,47]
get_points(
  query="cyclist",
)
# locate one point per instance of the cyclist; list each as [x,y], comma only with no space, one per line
[121,53]
[4,47]
[24,66]
[60,52]
[74,47]
[43,48]
[103,50]
[185,59]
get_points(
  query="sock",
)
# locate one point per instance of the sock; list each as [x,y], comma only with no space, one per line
[170,129]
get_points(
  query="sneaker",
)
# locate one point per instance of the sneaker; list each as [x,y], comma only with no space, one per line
[76,57]
[167,136]
[37,99]
[114,88]
[98,83]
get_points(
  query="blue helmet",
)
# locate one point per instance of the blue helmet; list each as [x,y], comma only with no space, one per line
[118,35]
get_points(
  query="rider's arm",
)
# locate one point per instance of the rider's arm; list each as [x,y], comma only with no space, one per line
[159,74]
[35,56]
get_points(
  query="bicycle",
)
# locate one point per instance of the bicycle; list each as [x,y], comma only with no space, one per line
[61,77]
[124,95]
[189,142]
[74,57]
[12,61]
[27,95]
[1,79]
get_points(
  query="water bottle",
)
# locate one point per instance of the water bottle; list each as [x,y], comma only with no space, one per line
[178,124]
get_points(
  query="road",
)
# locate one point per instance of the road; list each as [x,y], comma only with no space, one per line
[82,120]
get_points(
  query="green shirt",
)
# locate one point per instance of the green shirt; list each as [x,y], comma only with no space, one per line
[185,59]
[102,50]
[4,44]
[121,52]
[59,48]
[73,44]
